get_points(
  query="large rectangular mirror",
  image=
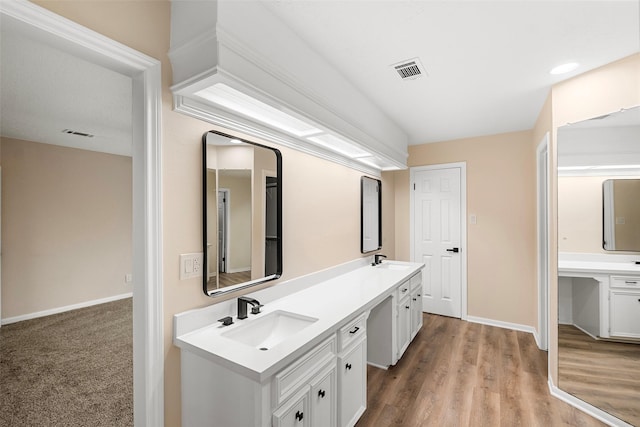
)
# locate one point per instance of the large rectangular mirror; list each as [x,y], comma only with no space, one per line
[371,214]
[242,213]
[599,195]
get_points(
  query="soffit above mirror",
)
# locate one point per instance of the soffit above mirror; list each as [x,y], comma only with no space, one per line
[235,65]
[602,146]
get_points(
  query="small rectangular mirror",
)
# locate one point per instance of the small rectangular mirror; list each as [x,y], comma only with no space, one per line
[242,213]
[371,214]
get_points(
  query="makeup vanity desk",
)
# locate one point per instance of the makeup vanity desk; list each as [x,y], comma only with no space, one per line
[600,294]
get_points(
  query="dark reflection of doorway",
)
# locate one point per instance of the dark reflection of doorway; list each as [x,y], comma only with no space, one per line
[271,227]
[228,279]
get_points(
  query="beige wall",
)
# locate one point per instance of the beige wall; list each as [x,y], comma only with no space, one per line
[592,94]
[66,226]
[580,214]
[501,246]
[321,203]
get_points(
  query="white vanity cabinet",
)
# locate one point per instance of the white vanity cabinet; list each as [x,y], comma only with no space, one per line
[416,304]
[409,312]
[403,313]
[312,377]
[306,390]
[313,405]
[624,307]
[352,371]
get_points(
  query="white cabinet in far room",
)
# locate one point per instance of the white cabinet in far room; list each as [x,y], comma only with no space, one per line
[624,307]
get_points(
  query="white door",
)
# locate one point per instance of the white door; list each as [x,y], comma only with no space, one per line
[437,238]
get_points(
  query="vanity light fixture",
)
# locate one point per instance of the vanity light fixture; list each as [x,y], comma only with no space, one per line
[339,145]
[564,68]
[238,102]
[301,127]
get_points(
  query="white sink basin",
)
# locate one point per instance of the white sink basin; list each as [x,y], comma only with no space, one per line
[392,266]
[269,330]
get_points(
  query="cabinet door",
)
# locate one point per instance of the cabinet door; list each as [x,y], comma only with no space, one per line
[403,325]
[324,393]
[293,413]
[625,314]
[352,381]
[416,312]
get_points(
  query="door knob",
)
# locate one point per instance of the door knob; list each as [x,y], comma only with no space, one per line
[455,250]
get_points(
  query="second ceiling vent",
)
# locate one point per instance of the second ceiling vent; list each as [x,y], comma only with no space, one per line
[410,69]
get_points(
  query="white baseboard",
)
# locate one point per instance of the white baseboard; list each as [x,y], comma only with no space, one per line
[57,310]
[238,270]
[585,331]
[585,407]
[505,325]
[375,365]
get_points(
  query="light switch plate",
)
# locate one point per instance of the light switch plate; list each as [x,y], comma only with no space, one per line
[190,265]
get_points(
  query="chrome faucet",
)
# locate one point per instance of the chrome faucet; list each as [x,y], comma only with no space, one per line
[242,306]
[377,259]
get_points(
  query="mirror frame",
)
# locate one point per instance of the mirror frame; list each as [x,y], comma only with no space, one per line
[240,286]
[362,214]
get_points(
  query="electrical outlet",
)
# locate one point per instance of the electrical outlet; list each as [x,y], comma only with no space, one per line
[190,265]
[128,278]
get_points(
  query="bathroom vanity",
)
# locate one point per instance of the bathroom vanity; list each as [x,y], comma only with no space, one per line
[600,294]
[302,360]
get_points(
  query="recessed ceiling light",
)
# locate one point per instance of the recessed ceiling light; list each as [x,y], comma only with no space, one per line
[235,141]
[564,68]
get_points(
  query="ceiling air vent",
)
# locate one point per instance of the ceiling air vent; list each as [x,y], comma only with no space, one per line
[409,69]
[75,132]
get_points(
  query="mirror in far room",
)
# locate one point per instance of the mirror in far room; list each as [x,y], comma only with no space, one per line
[371,214]
[598,310]
[621,211]
[242,213]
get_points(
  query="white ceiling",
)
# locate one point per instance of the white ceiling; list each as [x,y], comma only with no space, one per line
[487,65]
[488,62]
[44,90]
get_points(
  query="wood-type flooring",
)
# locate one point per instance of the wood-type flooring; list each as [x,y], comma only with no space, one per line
[603,373]
[457,373]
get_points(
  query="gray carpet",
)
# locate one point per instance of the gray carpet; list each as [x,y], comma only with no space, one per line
[69,369]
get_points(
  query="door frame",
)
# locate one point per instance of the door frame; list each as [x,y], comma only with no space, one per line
[148,333]
[225,231]
[463,222]
[542,209]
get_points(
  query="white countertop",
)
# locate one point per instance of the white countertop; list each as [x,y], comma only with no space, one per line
[597,264]
[333,302]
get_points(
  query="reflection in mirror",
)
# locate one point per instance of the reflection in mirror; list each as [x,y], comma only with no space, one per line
[621,210]
[242,218]
[596,159]
[371,214]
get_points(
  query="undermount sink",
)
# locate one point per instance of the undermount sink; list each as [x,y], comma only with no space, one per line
[269,330]
[392,266]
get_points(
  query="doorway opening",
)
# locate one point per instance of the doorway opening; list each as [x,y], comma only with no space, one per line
[148,359]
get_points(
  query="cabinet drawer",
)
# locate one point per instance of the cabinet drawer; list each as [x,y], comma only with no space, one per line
[632,282]
[352,332]
[294,414]
[403,290]
[289,380]
[416,281]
